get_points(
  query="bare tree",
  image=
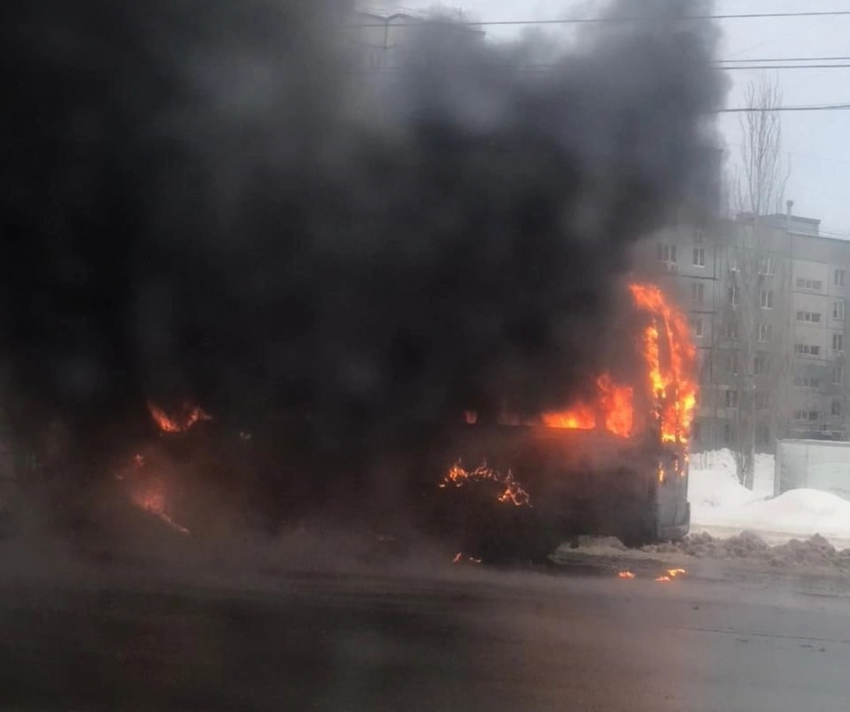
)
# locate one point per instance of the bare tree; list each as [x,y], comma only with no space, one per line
[759,279]
[764,173]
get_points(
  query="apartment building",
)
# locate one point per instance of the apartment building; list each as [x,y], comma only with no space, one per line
[379,34]
[766,300]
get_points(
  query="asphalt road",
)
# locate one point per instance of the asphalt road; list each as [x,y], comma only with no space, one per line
[457,638]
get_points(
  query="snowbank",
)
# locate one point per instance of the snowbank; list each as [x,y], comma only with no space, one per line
[804,510]
[719,504]
[708,469]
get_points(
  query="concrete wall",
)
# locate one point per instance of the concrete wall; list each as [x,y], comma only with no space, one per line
[813,464]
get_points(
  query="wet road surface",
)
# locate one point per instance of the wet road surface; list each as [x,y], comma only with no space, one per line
[463,638]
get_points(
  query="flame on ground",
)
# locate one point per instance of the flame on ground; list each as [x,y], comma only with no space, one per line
[626,575]
[148,494]
[152,500]
[189,415]
[461,559]
[513,492]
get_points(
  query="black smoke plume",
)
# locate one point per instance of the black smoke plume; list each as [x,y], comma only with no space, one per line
[226,202]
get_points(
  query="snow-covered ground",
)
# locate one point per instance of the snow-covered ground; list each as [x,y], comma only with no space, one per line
[722,507]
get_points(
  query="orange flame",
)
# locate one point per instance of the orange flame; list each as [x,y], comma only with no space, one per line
[513,492]
[153,502]
[148,493]
[613,404]
[625,575]
[151,499]
[580,417]
[460,559]
[616,402]
[669,357]
[168,424]
[675,387]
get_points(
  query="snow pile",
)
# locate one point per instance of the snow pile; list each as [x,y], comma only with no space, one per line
[803,511]
[713,486]
[764,475]
[814,551]
[719,502]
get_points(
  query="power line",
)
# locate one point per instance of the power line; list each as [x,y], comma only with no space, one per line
[605,20]
[783,109]
[718,64]
[782,66]
[546,68]
[762,60]
[777,63]
[735,110]
[804,154]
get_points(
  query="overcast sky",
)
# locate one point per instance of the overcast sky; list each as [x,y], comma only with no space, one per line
[817,143]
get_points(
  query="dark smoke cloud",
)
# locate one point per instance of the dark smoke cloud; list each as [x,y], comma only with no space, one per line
[212,200]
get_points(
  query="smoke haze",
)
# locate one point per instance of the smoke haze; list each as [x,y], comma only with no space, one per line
[220,202]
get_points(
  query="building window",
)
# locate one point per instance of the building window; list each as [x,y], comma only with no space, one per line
[759,365]
[810,317]
[699,257]
[727,434]
[838,310]
[666,253]
[765,333]
[732,329]
[807,382]
[732,363]
[732,261]
[836,407]
[805,416]
[814,285]
[696,325]
[731,399]
[807,350]
[762,400]
[733,296]
[698,291]
[766,266]
[838,342]
[763,435]
[839,278]
[838,373]
[696,431]
[766,299]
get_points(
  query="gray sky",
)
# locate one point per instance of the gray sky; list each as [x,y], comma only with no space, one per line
[817,143]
